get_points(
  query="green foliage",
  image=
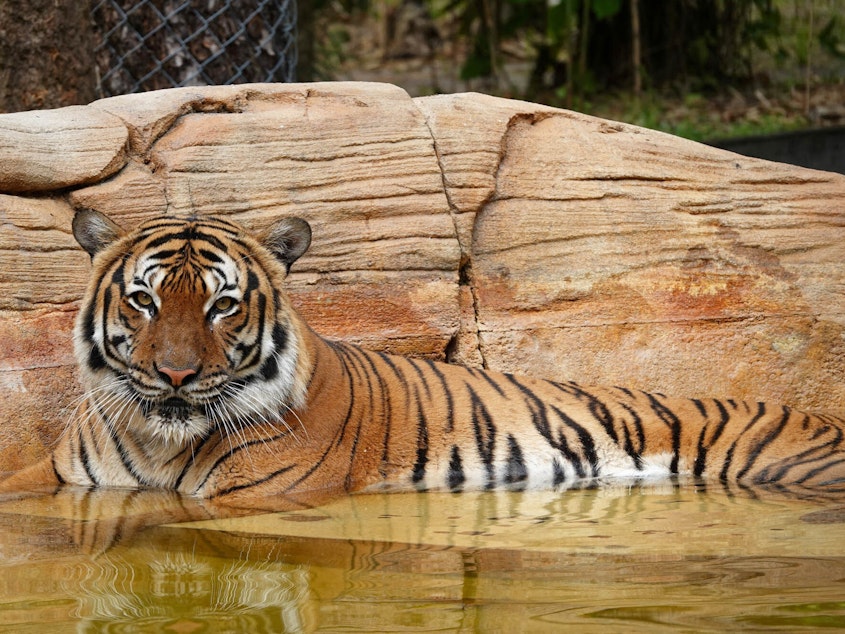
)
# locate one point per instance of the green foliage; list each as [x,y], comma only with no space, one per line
[761,28]
[691,115]
[332,47]
[604,9]
[832,36]
[579,51]
[578,46]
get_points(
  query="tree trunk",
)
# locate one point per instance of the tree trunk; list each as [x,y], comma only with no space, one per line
[636,57]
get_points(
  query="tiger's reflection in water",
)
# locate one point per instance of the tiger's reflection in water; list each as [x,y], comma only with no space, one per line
[118,557]
[186,589]
[126,560]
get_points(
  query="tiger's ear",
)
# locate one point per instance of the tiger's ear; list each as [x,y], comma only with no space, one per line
[288,239]
[94,231]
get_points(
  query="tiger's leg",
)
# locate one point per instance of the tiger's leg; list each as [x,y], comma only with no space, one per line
[42,475]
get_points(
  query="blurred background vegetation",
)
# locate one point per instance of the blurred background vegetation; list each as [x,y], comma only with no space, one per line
[702,69]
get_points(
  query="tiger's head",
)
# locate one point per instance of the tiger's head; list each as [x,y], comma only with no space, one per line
[184,329]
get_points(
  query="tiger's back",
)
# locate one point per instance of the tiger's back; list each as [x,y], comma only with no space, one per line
[400,423]
[202,378]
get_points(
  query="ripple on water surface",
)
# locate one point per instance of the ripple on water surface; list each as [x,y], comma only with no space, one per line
[625,558]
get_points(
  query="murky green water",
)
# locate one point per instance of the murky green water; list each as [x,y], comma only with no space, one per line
[658,558]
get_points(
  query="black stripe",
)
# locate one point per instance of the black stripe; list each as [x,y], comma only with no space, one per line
[536,406]
[91,444]
[825,467]
[810,456]
[251,353]
[195,452]
[161,223]
[117,273]
[88,321]
[764,442]
[365,358]
[169,222]
[280,337]
[190,447]
[386,408]
[346,370]
[107,302]
[188,233]
[585,438]
[341,353]
[141,278]
[627,445]
[540,420]
[635,453]
[489,379]
[761,411]
[597,409]
[446,393]
[400,377]
[232,452]
[602,415]
[252,282]
[56,473]
[350,359]
[270,368]
[558,474]
[485,435]
[95,358]
[700,463]
[163,254]
[673,423]
[252,483]
[625,391]
[85,459]
[516,471]
[209,255]
[122,453]
[418,474]
[420,374]
[455,478]
[353,365]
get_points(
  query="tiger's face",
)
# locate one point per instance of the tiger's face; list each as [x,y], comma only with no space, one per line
[184,329]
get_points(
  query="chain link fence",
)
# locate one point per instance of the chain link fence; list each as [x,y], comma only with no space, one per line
[152,44]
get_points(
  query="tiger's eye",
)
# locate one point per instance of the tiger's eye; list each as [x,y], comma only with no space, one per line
[224,304]
[142,299]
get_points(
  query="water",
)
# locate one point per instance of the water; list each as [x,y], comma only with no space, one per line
[639,559]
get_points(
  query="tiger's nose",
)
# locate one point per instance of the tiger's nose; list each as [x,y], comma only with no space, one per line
[177,377]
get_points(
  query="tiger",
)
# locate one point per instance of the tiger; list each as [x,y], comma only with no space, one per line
[200,377]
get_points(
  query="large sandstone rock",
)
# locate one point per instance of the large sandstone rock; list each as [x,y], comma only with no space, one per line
[487,231]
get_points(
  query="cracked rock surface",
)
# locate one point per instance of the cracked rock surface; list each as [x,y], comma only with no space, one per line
[488,231]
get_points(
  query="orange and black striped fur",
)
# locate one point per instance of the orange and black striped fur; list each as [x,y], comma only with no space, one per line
[200,377]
